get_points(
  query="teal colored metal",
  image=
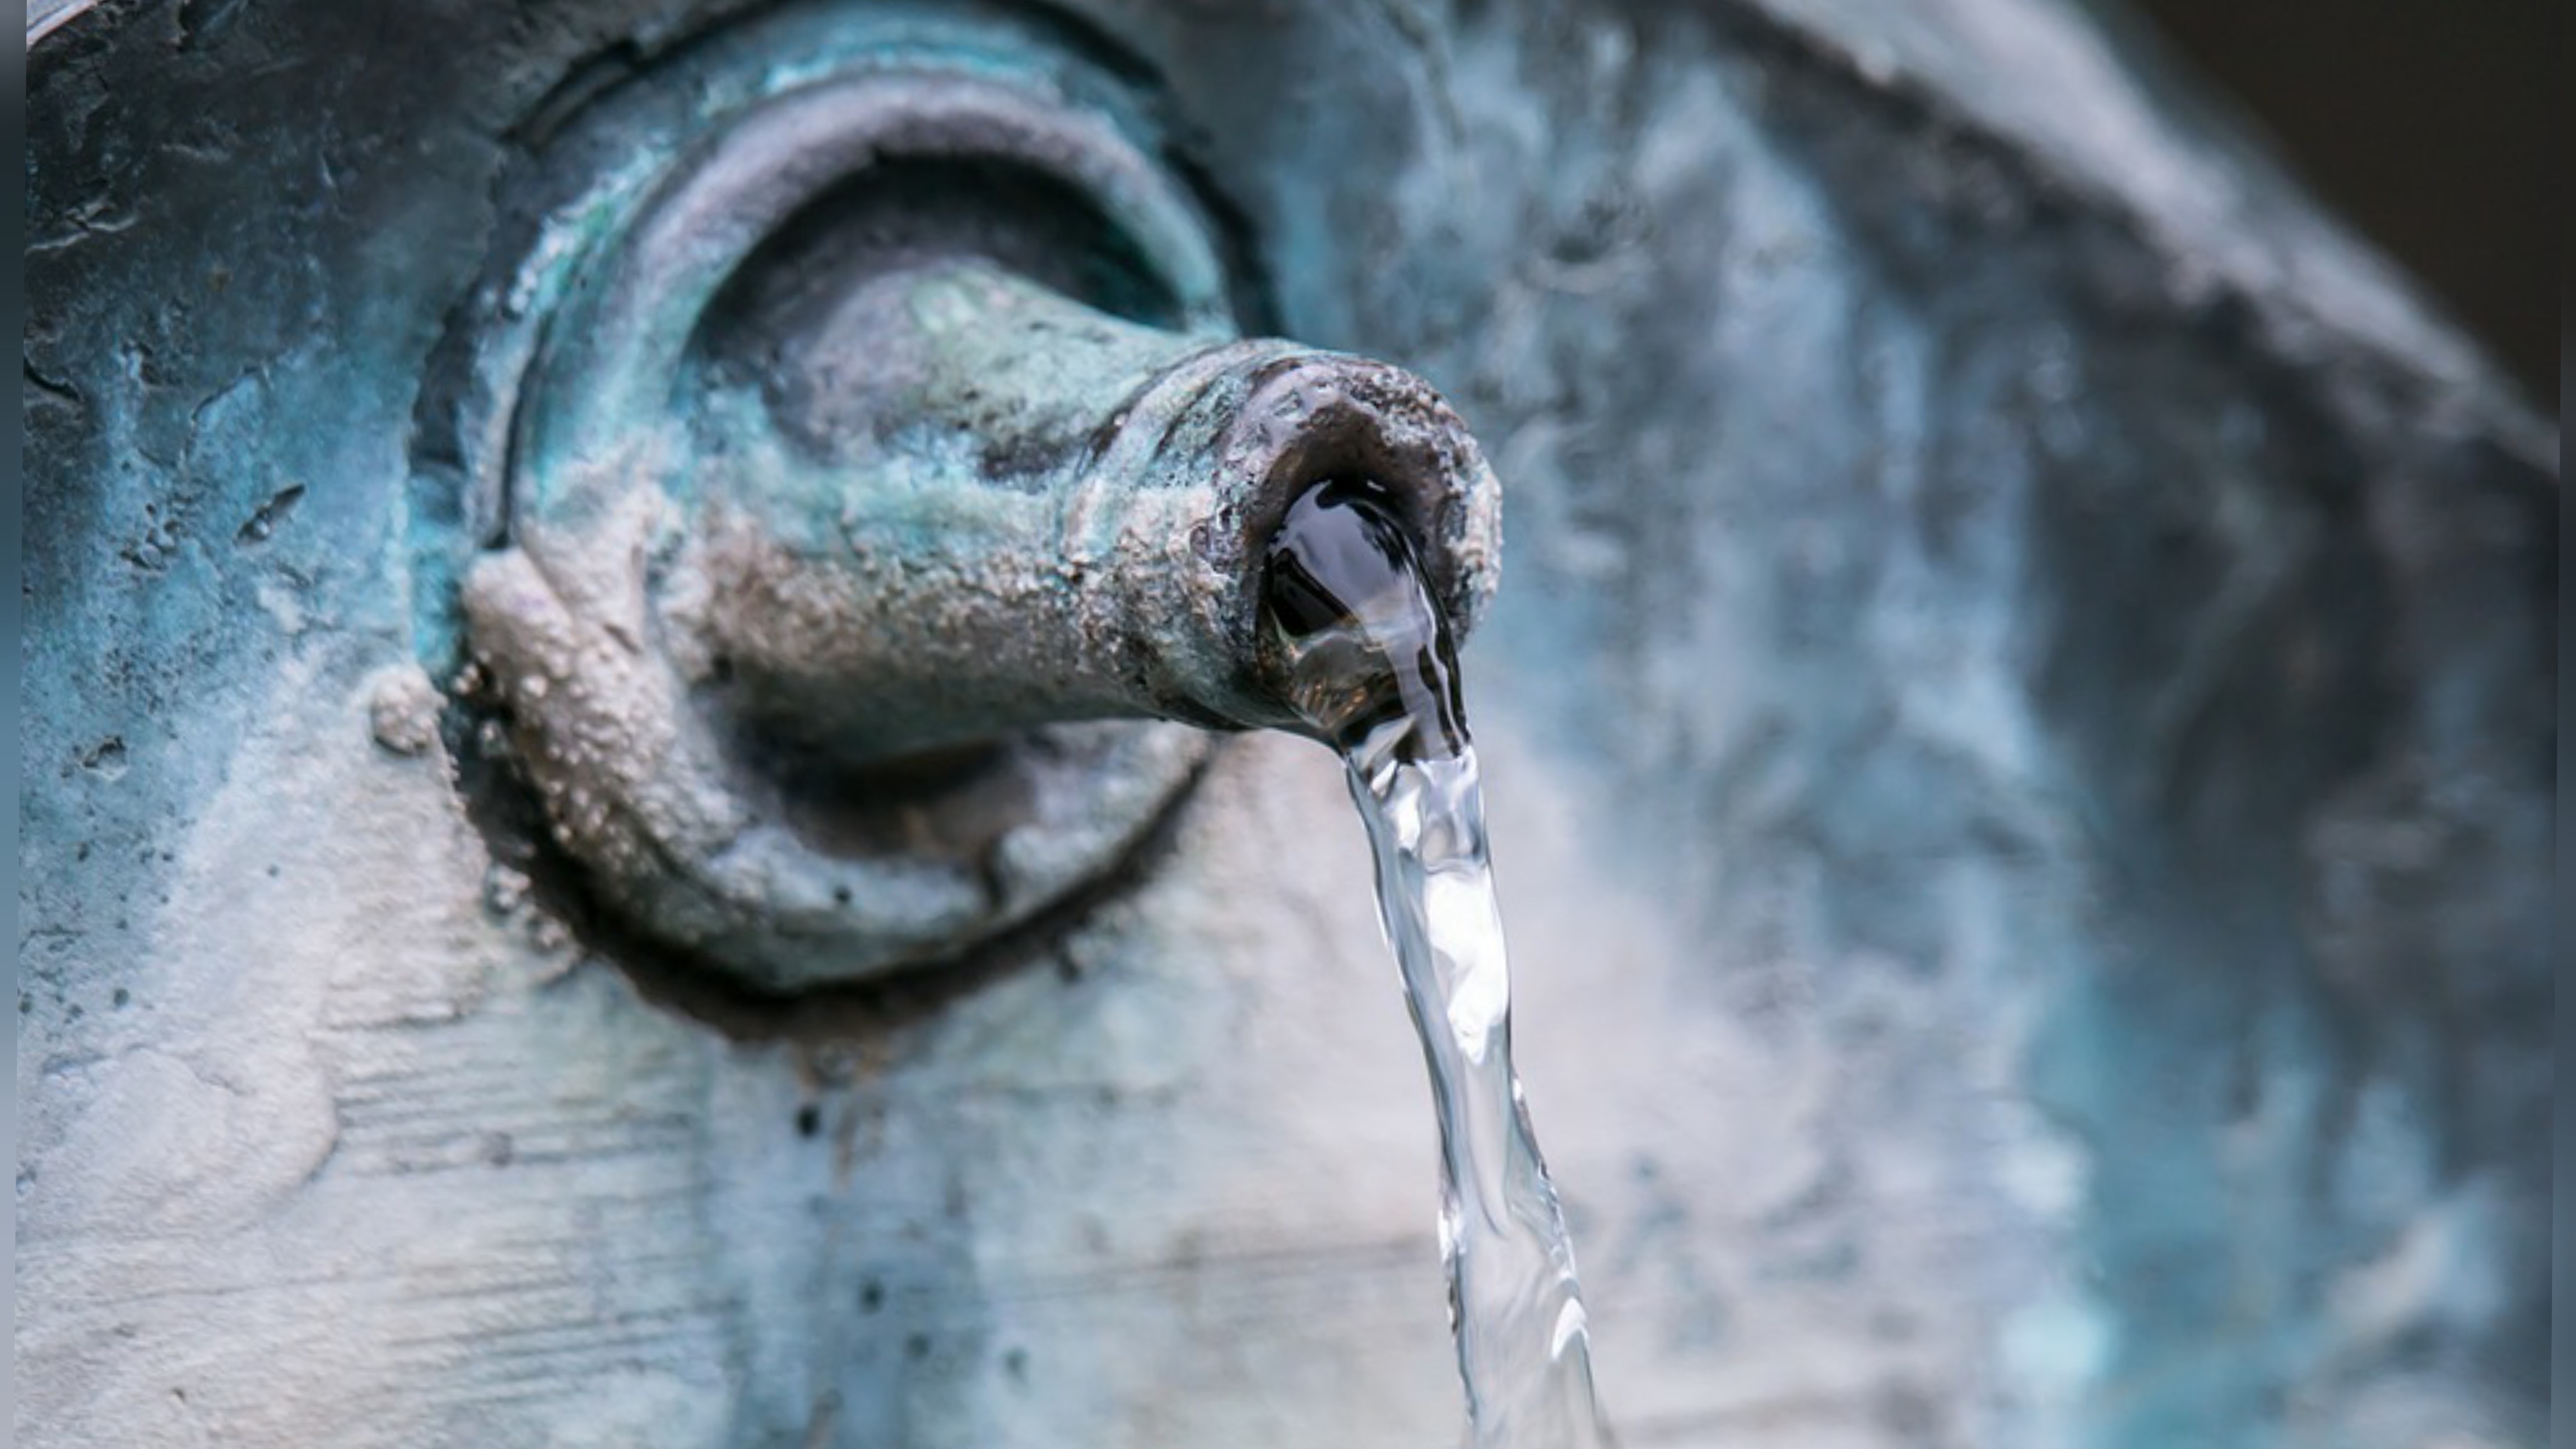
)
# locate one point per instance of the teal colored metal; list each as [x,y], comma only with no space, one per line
[853,459]
[2015,735]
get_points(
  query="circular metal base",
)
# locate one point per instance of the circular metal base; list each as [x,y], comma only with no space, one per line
[559,462]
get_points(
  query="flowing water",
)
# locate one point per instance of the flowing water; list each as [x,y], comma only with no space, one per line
[1370,666]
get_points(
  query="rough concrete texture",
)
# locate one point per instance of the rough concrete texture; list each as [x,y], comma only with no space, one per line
[2017,724]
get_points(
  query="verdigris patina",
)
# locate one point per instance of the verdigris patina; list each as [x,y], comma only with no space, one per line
[2072,838]
[892,404]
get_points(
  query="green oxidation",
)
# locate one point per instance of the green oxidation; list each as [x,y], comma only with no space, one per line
[2079,675]
[1370,665]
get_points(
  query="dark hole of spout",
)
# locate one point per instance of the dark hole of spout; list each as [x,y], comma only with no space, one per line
[1356,640]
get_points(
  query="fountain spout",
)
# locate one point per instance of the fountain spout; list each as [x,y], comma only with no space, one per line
[847,517]
[1007,509]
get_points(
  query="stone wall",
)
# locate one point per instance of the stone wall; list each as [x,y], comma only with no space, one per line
[2017,726]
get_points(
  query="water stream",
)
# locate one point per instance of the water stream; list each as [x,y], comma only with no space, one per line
[1370,666]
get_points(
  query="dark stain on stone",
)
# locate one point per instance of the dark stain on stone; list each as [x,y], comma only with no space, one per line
[264,521]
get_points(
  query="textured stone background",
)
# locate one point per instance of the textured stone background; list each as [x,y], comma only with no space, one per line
[2018,721]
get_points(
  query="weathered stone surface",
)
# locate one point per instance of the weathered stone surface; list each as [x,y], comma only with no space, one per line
[2017,723]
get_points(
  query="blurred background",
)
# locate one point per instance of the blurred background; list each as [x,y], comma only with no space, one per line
[2429,127]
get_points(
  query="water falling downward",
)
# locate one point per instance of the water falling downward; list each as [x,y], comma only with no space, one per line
[1369,664]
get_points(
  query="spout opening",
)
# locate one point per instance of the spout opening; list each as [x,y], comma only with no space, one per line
[1316,418]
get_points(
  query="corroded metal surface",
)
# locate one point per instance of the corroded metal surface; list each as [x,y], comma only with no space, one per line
[844,439]
[2017,726]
